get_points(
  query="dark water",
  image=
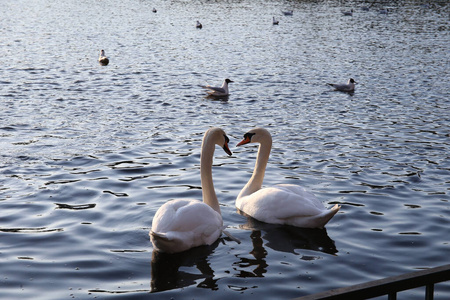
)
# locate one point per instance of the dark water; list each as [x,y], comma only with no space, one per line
[89,153]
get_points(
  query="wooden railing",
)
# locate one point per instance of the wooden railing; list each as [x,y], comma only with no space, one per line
[388,286]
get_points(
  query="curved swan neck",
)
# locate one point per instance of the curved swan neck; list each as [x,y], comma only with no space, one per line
[206,162]
[256,181]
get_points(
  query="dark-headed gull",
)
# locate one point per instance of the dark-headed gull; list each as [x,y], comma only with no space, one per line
[218,91]
[348,13]
[349,87]
[275,21]
[103,60]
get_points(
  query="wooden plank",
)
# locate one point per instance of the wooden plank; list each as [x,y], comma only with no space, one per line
[385,286]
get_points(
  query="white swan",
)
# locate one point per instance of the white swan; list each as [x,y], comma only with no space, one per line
[181,224]
[348,87]
[280,204]
[102,59]
[218,91]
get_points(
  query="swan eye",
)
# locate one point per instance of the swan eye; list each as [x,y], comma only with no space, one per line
[248,136]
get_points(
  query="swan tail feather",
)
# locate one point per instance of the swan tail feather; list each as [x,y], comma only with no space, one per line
[231,237]
[335,209]
[164,243]
[330,214]
[159,235]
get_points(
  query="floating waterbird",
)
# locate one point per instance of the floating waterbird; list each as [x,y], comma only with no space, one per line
[287,204]
[181,224]
[348,13]
[102,59]
[275,21]
[199,25]
[288,12]
[348,87]
[218,91]
[154,10]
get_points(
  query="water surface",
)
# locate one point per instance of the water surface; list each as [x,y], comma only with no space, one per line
[89,153]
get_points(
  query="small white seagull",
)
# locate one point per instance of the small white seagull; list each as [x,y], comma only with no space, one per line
[349,87]
[199,25]
[218,91]
[275,21]
[102,59]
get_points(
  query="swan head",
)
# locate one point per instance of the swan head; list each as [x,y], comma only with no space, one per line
[256,135]
[219,137]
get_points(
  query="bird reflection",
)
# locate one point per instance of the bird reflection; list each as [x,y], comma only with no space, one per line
[285,238]
[281,238]
[217,98]
[167,276]
[259,253]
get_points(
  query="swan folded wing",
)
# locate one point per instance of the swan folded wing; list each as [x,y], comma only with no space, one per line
[302,193]
[279,203]
[185,215]
[182,224]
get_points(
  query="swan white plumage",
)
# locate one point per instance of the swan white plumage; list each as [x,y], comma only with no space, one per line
[280,204]
[102,59]
[181,224]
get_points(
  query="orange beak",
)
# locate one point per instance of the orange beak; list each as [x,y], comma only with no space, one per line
[246,140]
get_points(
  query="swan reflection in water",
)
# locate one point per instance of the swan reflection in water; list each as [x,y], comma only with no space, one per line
[166,273]
[167,276]
[281,238]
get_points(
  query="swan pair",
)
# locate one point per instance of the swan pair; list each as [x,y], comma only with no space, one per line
[182,224]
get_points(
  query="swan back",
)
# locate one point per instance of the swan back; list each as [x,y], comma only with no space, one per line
[183,224]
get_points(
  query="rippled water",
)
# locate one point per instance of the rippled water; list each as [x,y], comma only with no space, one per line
[89,153]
